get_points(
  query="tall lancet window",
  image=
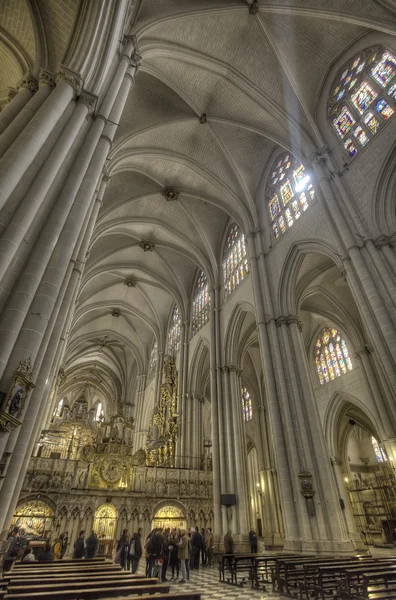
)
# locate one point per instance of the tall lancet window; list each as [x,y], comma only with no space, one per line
[174,332]
[331,356]
[153,360]
[200,308]
[247,407]
[59,408]
[363,98]
[289,193]
[99,412]
[235,263]
[380,453]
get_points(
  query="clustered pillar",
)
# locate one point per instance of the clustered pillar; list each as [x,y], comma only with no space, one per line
[53,146]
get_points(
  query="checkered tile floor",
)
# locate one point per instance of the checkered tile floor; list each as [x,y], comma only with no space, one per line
[206,581]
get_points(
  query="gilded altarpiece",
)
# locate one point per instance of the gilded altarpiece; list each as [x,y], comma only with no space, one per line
[163,430]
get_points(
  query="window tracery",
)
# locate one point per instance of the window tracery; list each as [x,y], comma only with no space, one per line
[174,332]
[153,359]
[289,193]
[59,408]
[99,412]
[380,453]
[331,355]
[200,308]
[235,263]
[247,406]
[363,98]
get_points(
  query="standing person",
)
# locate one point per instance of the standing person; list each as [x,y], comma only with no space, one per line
[156,552]
[12,550]
[183,555]
[174,555]
[196,545]
[149,561]
[209,546]
[57,549]
[92,546]
[79,546]
[135,550]
[253,541]
[64,538]
[123,549]
[167,537]
[203,549]
[229,547]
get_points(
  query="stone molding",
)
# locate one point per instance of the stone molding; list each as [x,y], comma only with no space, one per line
[74,79]
[47,78]
[28,82]
[90,101]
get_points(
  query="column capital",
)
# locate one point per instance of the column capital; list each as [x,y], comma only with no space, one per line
[280,321]
[335,460]
[28,82]
[136,60]
[381,241]
[12,92]
[294,320]
[47,78]
[364,351]
[253,233]
[319,155]
[90,101]
[74,79]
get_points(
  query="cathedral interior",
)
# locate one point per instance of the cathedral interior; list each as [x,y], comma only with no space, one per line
[198,269]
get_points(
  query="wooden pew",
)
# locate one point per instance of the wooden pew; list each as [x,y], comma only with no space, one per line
[71,569]
[74,588]
[351,582]
[75,578]
[55,563]
[379,581]
[81,581]
[98,593]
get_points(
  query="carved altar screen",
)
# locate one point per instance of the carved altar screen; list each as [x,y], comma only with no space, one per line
[169,517]
[105,526]
[35,517]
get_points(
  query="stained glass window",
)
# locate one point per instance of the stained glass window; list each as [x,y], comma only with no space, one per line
[200,309]
[289,193]
[331,355]
[99,412]
[247,407]
[174,332]
[235,263]
[59,408]
[380,453]
[153,359]
[363,98]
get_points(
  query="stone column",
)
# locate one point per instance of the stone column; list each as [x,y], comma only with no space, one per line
[274,388]
[23,151]
[16,230]
[26,88]
[179,410]
[343,495]
[217,441]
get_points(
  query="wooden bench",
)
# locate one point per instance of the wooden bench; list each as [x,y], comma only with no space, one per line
[55,563]
[94,593]
[80,569]
[104,586]
[82,578]
[351,583]
[79,581]
[181,596]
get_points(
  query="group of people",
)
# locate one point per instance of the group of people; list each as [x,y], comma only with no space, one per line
[18,547]
[179,550]
[86,548]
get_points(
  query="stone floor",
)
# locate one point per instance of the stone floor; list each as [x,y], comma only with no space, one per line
[206,581]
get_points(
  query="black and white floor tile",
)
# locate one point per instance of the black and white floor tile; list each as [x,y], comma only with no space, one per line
[206,581]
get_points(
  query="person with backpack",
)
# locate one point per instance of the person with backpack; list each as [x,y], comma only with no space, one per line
[135,550]
[155,549]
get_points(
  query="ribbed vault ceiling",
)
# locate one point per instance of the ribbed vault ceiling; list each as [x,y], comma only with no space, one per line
[257,78]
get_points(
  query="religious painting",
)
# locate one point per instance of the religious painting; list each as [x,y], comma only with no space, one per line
[350,147]
[35,518]
[15,400]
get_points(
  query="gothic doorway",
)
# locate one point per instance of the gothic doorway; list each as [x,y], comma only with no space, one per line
[105,527]
[170,516]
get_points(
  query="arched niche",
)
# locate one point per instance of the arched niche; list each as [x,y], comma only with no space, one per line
[170,516]
[35,517]
[105,527]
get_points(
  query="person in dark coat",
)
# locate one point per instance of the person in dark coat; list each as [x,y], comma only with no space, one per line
[135,550]
[196,545]
[253,541]
[123,546]
[174,554]
[229,547]
[79,546]
[12,550]
[92,546]
[64,538]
